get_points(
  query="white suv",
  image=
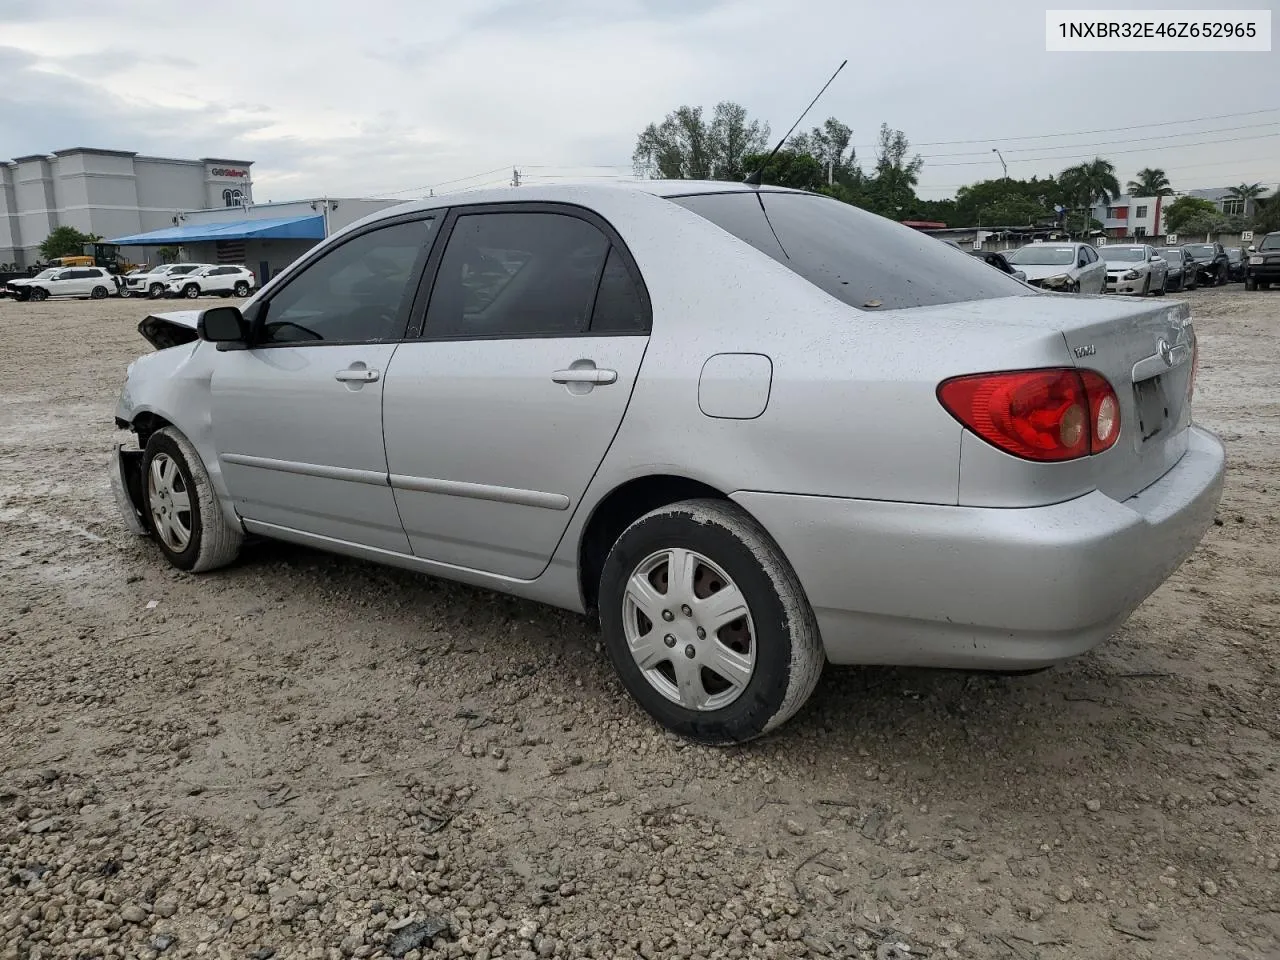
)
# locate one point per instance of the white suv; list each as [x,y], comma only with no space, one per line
[226,281]
[93,282]
[152,284]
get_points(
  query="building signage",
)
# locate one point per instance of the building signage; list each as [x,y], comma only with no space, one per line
[228,172]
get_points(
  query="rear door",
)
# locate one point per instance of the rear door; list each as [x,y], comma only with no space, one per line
[497,416]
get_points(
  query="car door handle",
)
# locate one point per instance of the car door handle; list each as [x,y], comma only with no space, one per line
[585,375]
[357,376]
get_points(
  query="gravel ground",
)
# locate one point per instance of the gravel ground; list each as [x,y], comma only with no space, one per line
[308,756]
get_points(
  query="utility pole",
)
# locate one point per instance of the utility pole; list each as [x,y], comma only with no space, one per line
[1002,163]
[515,177]
[830,171]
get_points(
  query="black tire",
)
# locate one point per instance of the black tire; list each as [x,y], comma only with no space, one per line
[213,541]
[1164,286]
[191,291]
[99,293]
[242,289]
[1223,277]
[1264,284]
[1250,284]
[125,292]
[788,649]
[38,294]
[155,291]
[22,296]
[1146,286]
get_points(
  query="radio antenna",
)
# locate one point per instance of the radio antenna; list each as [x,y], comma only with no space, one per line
[753,179]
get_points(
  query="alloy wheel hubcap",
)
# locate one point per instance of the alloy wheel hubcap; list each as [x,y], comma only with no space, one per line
[689,629]
[170,502]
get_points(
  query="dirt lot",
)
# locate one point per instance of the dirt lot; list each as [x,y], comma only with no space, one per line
[306,756]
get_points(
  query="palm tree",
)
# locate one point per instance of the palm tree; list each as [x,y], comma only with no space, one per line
[1089,183]
[1246,192]
[1151,182]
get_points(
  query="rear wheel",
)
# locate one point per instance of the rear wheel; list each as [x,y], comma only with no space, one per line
[182,511]
[707,624]
[242,289]
[99,293]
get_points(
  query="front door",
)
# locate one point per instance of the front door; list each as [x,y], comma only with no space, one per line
[498,416]
[297,419]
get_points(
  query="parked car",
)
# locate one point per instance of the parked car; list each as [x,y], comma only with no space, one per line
[583,395]
[96,283]
[1237,260]
[1182,272]
[1061,267]
[153,283]
[1212,266]
[1000,262]
[1263,268]
[20,287]
[1135,268]
[224,281]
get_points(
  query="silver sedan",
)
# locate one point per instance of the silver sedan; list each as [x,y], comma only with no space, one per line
[754,430]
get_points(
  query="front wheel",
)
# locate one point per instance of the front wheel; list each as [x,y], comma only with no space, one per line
[155,291]
[191,291]
[1250,283]
[1146,286]
[125,292]
[707,624]
[181,508]
[1164,286]
[38,294]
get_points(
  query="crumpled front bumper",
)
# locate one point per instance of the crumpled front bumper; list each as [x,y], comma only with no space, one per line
[126,485]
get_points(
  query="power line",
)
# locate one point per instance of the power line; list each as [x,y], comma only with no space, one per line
[1091,153]
[445,183]
[1081,133]
[1107,143]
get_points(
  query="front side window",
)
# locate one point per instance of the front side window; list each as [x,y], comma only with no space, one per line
[354,293]
[516,275]
[857,257]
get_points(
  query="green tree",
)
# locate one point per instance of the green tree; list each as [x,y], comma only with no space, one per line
[1191,215]
[1266,218]
[891,190]
[1246,192]
[685,146]
[1007,201]
[788,168]
[66,242]
[1151,182]
[1084,185]
[829,144]
[167,254]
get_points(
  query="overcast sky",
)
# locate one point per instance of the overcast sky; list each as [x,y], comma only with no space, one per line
[388,97]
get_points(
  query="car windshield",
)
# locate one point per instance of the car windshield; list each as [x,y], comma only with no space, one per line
[1125,253]
[178,271]
[1235,254]
[1270,242]
[1043,255]
[46,273]
[857,257]
[1170,254]
[1200,249]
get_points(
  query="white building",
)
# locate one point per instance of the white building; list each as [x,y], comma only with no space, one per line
[107,192]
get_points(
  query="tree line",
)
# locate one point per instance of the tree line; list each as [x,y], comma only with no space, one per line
[729,145]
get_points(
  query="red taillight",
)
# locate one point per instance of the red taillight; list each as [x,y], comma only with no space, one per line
[1055,414]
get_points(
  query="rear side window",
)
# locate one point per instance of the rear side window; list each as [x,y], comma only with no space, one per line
[516,275]
[619,307]
[857,257]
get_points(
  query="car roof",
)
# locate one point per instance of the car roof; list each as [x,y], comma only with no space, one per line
[581,192]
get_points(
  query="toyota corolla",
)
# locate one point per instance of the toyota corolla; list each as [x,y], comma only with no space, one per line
[753,430]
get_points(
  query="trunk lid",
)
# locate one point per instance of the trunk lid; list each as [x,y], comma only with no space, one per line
[1144,349]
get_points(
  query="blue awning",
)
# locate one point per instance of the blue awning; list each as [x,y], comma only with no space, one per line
[276,228]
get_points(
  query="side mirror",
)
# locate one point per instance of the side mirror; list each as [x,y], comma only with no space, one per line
[225,326]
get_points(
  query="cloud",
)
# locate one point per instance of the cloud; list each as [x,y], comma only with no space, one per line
[392,95]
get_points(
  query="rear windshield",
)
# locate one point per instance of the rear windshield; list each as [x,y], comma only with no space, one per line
[1171,254]
[857,257]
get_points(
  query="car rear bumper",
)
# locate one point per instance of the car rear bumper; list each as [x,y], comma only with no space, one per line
[985,588]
